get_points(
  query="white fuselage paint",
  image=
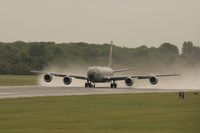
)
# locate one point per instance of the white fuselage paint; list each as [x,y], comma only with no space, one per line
[98,73]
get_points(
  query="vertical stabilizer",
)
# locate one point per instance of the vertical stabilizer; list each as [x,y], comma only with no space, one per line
[110,55]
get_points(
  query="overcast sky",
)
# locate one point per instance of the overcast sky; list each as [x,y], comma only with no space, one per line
[127,22]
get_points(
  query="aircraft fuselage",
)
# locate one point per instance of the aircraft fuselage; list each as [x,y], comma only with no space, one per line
[98,73]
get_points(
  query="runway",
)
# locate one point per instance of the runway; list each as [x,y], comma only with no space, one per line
[34,91]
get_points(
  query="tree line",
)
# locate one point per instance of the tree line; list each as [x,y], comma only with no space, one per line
[20,57]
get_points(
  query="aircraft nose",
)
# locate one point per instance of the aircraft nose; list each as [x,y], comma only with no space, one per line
[91,74]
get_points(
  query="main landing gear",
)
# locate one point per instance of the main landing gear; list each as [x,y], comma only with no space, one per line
[113,85]
[92,85]
[89,85]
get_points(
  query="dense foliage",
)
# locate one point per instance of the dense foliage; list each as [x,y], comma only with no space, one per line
[21,57]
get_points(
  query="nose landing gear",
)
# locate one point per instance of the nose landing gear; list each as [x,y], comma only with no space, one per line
[89,85]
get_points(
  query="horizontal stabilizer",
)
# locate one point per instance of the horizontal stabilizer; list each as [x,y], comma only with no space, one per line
[122,70]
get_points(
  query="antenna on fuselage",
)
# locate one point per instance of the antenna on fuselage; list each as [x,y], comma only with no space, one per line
[110,55]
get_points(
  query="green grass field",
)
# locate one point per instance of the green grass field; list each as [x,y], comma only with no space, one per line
[17,80]
[128,113]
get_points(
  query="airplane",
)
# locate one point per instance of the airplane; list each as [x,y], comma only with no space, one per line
[103,74]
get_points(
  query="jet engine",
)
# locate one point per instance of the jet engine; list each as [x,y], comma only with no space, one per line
[48,77]
[153,80]
[129,81]
[67,80]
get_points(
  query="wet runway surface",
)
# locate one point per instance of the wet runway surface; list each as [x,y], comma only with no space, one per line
[34,91]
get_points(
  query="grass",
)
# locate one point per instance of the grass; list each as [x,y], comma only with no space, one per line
[127,113]
[17,80]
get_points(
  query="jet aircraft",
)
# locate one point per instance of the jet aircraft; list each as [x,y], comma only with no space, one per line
[102,74]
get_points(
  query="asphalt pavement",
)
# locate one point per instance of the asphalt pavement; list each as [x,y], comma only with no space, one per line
[36,90]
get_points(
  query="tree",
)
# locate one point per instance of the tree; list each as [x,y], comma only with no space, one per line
[187,48]
[167,47]
[37,50]
[21,57]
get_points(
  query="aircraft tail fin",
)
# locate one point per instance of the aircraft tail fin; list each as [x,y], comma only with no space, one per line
[110,55]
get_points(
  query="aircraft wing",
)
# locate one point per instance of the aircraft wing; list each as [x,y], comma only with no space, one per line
[157,75]
[59,74]
[140,76]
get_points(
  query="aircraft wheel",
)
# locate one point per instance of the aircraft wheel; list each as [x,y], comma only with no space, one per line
[87,85]
[113,85]
[90,85]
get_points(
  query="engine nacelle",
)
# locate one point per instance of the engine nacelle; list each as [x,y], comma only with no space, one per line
[67,80]
[48,77]
[153,80]
[129,81]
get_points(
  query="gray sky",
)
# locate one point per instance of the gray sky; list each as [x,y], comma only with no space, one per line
[127,22]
